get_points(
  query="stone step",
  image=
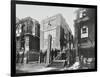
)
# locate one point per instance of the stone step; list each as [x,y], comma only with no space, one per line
[57,63]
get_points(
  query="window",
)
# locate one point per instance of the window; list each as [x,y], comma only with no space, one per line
[84,32]
[18,30]
[80,14]
[83,13]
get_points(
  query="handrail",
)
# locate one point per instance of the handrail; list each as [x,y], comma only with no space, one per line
[56,58]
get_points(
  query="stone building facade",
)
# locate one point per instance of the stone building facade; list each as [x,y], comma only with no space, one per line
[57,27]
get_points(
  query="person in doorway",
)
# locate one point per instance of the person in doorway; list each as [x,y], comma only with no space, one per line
[22,55]
[17,57]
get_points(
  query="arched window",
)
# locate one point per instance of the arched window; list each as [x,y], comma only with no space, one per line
[18,30]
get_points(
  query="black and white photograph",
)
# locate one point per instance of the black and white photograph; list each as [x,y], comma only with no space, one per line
[54,38]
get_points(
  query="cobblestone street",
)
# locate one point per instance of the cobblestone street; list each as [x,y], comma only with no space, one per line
[36,67]
[25,68]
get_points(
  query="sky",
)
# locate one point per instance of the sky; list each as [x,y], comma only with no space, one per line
[40,12]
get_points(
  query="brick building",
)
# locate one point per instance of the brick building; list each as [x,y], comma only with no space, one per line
[28,38]
[85,32]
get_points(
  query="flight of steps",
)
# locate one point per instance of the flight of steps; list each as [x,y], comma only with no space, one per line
[57,64]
